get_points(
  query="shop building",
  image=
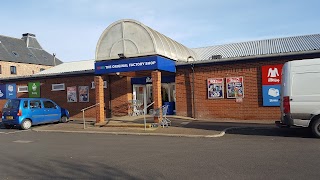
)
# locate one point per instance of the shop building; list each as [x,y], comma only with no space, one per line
[135,62]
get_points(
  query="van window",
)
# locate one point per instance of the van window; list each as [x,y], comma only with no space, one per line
[35,104]
[48,104]
[12,104]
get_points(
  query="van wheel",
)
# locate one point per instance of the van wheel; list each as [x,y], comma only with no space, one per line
[64,119]
[315,127]
[26,124]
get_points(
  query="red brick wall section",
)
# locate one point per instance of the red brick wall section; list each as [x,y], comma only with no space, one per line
[250,109]
[99,91]
[121,89]
[156,91]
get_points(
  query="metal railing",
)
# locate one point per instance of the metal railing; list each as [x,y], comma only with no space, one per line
[84,121]
[144,115]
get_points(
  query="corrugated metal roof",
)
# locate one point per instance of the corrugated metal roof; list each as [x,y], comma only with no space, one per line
[261,47]
[67,67]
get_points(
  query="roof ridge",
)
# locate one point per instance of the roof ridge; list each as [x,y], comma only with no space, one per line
[287,37]
[10,37]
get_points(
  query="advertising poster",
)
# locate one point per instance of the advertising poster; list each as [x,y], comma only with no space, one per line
[234,87]
[215,88]
[72,94]
[11,91]
[2,91]
[83,93]
[34,89]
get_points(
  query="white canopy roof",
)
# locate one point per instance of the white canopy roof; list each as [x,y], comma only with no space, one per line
[132,39]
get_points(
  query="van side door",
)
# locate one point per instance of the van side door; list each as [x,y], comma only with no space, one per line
[36,111]
[51,111]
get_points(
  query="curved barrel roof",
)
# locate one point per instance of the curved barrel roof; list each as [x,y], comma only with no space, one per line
[133,39]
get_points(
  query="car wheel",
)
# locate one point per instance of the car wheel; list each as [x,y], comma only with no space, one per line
[26,124]
[315,127]
[64,119]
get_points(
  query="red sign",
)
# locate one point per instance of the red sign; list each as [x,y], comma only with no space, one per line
[271,74]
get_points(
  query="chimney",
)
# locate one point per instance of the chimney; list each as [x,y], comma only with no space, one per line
[26,37]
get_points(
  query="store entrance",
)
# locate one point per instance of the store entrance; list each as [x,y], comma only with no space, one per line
[143,93]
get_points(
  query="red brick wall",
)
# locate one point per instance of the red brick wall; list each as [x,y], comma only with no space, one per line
[121,89]
[250,109]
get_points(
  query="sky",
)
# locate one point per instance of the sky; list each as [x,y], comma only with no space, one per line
[72,28]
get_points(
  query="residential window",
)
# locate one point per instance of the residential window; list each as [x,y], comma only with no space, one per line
[13,70]
[42,69]
[0,69]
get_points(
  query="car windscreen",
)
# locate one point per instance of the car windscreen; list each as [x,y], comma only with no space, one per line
[12,104]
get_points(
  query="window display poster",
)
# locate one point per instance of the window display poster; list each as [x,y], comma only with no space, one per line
[72,94]
[83,93]
[234,87]
[215,88]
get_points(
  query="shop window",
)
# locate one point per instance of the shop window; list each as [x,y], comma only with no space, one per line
[13,69]
[22,88]
[93,86]
[58,87]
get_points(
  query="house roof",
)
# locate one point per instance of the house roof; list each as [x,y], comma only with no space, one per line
[267,47]
[25,50]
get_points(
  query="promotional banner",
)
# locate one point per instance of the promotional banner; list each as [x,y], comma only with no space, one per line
[34,89]
[235,87]
[83,93]
[271,84]
[2,91]
[72,94]
[11,91]
[215,88]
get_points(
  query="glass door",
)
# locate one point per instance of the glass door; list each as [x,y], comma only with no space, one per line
[140,94]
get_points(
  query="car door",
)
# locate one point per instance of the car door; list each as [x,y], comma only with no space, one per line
[51,111]
[36,111]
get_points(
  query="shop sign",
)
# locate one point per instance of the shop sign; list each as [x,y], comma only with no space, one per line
[271,74]
[8,91]
[135,64]
[2,91]
[235,87]
[72,94]
[34,89]
[271,84]
[271,95]
[215,87]
[11,91]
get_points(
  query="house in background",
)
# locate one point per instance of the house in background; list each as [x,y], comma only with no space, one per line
[25,56]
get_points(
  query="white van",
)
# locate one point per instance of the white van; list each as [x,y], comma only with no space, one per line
[300,94]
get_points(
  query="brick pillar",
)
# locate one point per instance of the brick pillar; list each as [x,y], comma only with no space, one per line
[100,112]
[156,92]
